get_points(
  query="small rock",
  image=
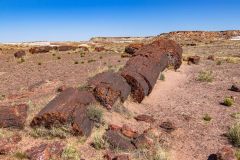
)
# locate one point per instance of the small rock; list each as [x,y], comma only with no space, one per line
[61,88]
[211,57]
[145,118]
[128,132]
[19,54]
[143,141]
[235,88]
[168,126]
[114,127]
[45,151]
[193,60]
[116,140]
[9,144]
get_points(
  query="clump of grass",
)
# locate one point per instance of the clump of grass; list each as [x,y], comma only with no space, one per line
[119,61]
[21,60]
[20,155]
[82,62]
[235,115]
[237,154]
[95,113]
[70,153]
[219,62]
[98,142]
[207,117]
[160,154]
[54,132]
[122,110]
[234,134]
[53,54]
[100,57]
[2,97]
[162,77]
[231,60]
[39,63]
[58,57]
[82,54]
[205,76]
[91,60]
[228,101]
[76,62]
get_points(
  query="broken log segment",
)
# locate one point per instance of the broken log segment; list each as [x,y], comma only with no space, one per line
[108,87]
[139,87]
[60,110]
[163,46]
[148,68]
[13,116]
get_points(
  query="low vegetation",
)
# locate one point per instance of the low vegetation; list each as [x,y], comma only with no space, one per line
[95,113]
[234,134]
[207,117]
[205,76]
[55,132]
[228,101]
[20,155]
[70,153]
[98,142]
[162,77]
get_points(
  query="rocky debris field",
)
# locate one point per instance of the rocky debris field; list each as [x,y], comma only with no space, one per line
[117,101]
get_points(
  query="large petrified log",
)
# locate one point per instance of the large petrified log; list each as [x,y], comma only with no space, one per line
[163,46]
[60,110]
[108,87]
[132,48]
[13,116]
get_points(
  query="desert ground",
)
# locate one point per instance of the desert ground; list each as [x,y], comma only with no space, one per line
[189,100]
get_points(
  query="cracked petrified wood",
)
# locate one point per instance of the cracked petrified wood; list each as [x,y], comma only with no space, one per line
[108,87]
[63,108]
[13,116]
[163,46]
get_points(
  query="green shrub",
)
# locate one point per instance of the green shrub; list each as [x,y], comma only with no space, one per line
[76,62]
[70,153]
[205,76]
[20,155]
[234,134]
[98,142]
[206,117]
[219,62]
[228,101]
[95,114]
[54,132]
[237,154]
[162,77]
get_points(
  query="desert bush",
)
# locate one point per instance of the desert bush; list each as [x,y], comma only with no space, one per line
[39,63]
[55,132]
[205,76]
[53,54]
[160,154]
[76,62]
[235,115]
[231,60]
[70,153]
[207,117]
[82,62]
[21,60]
[100,57]
[162,77]
[228,101]
[234,134]
[98,142]
[237,154]
[219,62]
[91,60]
[2,97]
[95,113]
[20,155]
[58,57]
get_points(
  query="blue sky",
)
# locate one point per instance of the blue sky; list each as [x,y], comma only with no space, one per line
[74,20]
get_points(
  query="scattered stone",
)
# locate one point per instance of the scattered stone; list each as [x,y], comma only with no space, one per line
[168,126]
[193,60]
[45,151]
[8,145]
[132,48]
[99,49]
[40,49]
[128,132]
[19,54]
[211,57]
[235,88]
[117,141]
[114,127]
[13,116]
[143,141]
[145,118]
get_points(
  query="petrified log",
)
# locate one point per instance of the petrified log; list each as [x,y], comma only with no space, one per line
[235,88]
[61,109]
[108,87]
[132,48]
[82,125]
[145,118]
[139,87]
[13,116]
[163,46]
[19,54]
[66,48]
[147,68]
[117,141]
[45,151]
[41,49]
